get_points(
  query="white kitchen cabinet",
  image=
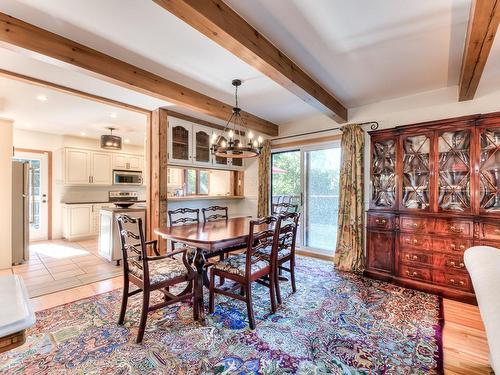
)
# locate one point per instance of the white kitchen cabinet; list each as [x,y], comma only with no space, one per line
[180,141]
[102,173]
[77,167]
[77,221]
[128,162]
[202,136]
[81,220]
[93,167]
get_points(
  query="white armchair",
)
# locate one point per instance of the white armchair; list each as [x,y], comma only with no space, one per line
[483,264]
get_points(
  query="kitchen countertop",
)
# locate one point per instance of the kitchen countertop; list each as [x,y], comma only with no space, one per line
[118,209]
[98,202]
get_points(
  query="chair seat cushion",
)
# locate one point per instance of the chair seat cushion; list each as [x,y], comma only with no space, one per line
[266,253]
[236,264]
[161,270]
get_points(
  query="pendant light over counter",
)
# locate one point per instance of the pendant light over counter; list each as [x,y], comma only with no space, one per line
[110,141]
[231,144]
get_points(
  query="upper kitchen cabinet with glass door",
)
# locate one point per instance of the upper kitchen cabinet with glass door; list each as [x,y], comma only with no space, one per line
[416,192]
[489,168]
[179,141]
[454,170]
[383,173]
[201,145]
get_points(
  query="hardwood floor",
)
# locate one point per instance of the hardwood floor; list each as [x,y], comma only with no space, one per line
[464,340]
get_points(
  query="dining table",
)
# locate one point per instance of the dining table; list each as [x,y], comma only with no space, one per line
[210,239]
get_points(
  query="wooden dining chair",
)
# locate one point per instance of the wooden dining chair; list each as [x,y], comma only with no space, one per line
[248,267]
[219,213]
[279,208]
[289,224]
[182,216]
[150,273]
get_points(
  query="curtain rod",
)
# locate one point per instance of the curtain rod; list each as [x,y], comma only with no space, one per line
[373,126]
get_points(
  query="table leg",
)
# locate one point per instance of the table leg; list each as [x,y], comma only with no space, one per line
[199,263]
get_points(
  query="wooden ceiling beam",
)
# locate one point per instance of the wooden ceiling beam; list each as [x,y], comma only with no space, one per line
[483,24]
[220,23]
[23,35]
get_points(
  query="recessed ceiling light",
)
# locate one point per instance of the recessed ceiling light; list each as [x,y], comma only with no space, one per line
[42,98]
[113,115]
[83,134]
[127,140]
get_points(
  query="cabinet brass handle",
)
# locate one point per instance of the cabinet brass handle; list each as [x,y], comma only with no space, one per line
[415,257]
[453,246]
[454,229]
[380,221]
[412,273]
[454,265]
[462,247]
[415,225]
[454,282]
[497,230]
[415,242]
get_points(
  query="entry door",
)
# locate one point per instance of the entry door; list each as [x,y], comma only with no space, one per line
[38,193]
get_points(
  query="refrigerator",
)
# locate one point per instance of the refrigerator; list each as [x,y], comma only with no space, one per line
[20,211]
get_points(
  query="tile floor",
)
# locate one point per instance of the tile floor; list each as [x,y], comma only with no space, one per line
[58,265]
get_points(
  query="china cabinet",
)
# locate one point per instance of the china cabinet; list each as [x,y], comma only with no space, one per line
[435,191]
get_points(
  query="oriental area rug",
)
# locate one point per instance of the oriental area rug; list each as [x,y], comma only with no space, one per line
[336,323]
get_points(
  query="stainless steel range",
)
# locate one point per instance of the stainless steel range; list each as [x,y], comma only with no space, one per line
[123,196]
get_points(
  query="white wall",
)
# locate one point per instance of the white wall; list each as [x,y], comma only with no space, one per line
[60,193]
[5,193]
[427,106]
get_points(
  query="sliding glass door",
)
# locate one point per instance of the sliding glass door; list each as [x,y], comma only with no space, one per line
[309,177]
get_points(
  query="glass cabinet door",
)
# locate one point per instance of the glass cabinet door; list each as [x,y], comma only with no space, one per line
[180,143]
[384,174]
[416,172]
[489,170]
[454,171]
[202,145]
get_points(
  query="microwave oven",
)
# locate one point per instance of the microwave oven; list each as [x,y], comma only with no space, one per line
[127,178]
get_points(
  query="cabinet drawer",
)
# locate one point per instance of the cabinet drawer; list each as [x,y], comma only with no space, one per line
[451,245]
[421,274]
[452,280]
[415,241]
[454,227]
[381,221]
[449,262]
[415,224]
[490,231]
[416,258]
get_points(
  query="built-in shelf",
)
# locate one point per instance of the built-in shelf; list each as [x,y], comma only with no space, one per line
[203,197]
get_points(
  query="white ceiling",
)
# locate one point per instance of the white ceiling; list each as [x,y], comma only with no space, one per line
[362,50]
[367,50]
[144,34]
[66,114]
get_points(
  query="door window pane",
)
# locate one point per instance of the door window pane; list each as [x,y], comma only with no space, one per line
[190,181]
[416,173]
[489,172]
[204,182]
[322,198]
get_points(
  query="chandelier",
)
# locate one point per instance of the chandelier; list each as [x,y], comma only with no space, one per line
[232,142]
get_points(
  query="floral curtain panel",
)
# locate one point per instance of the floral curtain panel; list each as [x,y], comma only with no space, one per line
[264,164]
[349,254]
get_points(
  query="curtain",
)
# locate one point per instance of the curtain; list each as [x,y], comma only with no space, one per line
[349,255]
[264,164]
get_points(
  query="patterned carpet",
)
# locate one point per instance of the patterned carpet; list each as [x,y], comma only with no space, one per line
[336,323]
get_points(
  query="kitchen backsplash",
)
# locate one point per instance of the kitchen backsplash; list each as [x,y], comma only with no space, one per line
[72,194]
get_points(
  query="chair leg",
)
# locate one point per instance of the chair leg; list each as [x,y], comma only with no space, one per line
[144,316]
[272,292]
[211,296]
[222,280]
[123,309]
[277,285]
[248,292]
[292,274]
